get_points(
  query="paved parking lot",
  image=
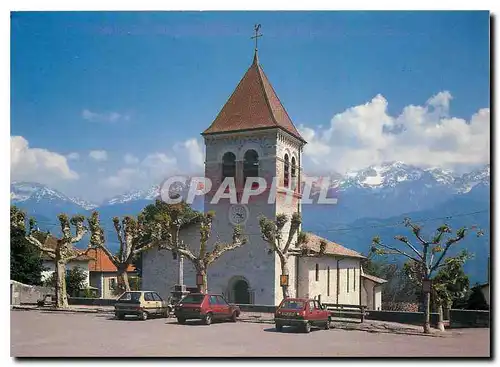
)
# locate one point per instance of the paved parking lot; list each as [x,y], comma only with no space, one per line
[50,334]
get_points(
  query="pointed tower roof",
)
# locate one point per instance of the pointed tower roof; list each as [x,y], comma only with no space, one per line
[253,105]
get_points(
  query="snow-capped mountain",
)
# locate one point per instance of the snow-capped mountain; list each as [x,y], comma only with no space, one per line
[148,194]
[84,203]
[385,175]
[384,190]
[390,175]
[24,191]
[45,203]
[480,177]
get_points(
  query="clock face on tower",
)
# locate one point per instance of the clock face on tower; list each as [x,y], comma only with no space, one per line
[238,214]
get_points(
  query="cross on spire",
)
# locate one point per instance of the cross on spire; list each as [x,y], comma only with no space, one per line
[257,35]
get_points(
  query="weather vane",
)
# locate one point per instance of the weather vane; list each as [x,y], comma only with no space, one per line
[257,35]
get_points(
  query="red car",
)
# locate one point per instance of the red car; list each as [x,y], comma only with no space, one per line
[301,312]
[205,307]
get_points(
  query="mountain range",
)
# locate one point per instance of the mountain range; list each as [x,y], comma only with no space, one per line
[371,201]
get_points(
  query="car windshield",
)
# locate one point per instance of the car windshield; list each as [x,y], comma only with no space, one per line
[193,298]
[130,296]
[293,305]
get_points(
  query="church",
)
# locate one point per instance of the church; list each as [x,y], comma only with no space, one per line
[253,136]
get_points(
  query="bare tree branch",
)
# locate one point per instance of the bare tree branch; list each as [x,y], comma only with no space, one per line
[47,250]
[416,231]
[460,235]
[398,251]
[219,249]
[408,243]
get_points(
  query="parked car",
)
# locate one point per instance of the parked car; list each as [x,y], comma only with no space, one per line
[142,304]
[205,307]
[301,312]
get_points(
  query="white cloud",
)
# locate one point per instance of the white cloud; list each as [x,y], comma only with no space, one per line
[186,158]
[152,170]
[194,151]
[104,116]
[122,180]
[38,165]
[130,159]
[98,155]
[420,135]
[73,156]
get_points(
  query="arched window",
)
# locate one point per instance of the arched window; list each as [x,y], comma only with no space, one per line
[294,174]
[287,171]
[228,165]
[250,164]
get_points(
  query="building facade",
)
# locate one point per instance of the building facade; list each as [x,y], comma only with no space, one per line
[253,137]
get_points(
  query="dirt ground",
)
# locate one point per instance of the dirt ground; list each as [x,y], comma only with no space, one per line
[53,334]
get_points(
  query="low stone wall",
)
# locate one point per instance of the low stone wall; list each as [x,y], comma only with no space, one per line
[400,306]
[257,308]
[80,301]
[403,317]
[469,318]
[24,294]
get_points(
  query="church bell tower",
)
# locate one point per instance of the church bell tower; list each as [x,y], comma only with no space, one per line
[252,136]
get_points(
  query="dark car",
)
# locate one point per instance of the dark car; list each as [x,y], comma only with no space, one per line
[301,312]
[205,307]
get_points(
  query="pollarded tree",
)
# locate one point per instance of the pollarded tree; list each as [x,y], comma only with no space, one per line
[165,222]
[430,257]
[448,285]
[25,261]
[272,232]
[62,252]
[133,239]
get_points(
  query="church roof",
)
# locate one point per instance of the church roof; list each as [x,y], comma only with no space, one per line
[373,278]
[253,105]
[314,242]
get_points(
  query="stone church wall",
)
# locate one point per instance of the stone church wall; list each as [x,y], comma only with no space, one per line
[310,287]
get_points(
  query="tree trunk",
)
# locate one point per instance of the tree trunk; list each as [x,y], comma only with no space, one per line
[123,283]
[427,313]
[284,271]
[440,320]
[204,286]
[60,273]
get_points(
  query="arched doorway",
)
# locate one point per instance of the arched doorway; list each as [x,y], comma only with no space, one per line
[241,292]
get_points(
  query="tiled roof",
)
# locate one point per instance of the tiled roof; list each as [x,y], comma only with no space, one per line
[313,243]
[253,105]
[374,278]
[100,262]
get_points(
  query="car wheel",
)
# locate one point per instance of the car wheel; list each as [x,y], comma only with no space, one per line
[119,316]
[181,321]
[279,328]
[307,327]
[208,319]
[234,316]
[327,325]
[143,316]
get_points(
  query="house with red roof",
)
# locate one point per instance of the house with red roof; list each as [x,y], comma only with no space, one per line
[104,274]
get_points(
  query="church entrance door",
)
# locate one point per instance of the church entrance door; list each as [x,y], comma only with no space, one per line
[241,292]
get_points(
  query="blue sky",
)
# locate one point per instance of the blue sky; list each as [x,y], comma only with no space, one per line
[145,84]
